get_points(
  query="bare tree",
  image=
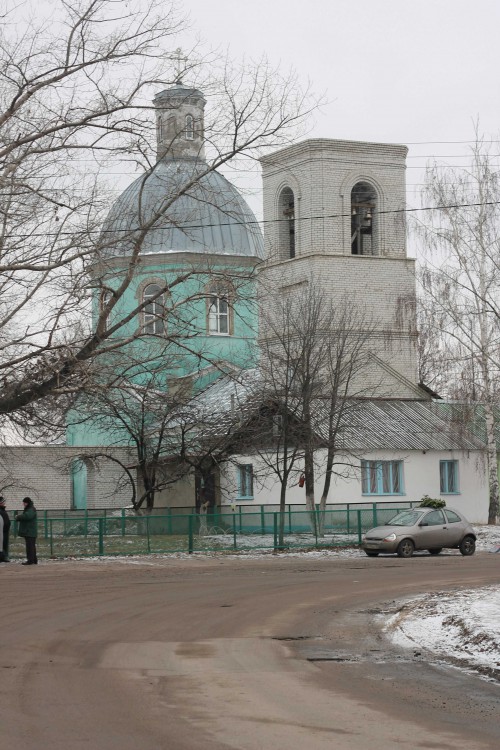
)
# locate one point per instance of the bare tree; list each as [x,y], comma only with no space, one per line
[169,432]
[314,355]
[461,285]
[74,104]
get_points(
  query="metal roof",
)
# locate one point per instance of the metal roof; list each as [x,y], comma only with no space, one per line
[209,217]
[366,424]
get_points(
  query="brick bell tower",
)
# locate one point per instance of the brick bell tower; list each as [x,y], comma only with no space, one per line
[334,217]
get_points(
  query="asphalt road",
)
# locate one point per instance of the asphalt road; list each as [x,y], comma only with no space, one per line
[272,654]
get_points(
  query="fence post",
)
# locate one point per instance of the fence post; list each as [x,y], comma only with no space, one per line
[289,519]
[262,520]
[348,520]
[275,523]
[147,533]
[45,525]
[123,521]
[51,539]
[190,533]
[316,521]
[358,513]
[100,522]
[234,529]
[374,513]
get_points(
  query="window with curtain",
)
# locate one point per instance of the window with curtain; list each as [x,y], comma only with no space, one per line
[448,477]
[382,477]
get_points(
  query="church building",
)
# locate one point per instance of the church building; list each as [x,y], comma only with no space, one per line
[334,217]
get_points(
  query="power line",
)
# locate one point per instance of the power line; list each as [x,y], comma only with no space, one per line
[262,222]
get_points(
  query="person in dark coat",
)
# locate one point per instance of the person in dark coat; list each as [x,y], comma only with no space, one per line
[28,528]
[4,557]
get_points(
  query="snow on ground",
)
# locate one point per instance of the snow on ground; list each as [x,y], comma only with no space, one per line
[459,627]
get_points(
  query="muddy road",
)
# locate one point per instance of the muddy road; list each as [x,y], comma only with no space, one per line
[279,653]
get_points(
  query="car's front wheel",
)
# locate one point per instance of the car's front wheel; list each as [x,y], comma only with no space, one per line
[406,548]
[435,550]
[467,546]
[370,553]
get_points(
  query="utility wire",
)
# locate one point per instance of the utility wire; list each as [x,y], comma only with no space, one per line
[250,222]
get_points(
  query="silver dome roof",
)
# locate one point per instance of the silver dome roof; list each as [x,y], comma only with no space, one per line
[209,217]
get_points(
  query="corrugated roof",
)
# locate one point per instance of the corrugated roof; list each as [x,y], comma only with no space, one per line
[366,425]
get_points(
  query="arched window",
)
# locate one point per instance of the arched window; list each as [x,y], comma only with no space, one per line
[159,125]
[363,219]
[189,127]
[287,223]
[104,299]
[154,311]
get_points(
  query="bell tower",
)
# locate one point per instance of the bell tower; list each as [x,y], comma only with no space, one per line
[334,213]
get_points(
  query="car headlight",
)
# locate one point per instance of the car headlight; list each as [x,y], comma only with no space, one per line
[390,538]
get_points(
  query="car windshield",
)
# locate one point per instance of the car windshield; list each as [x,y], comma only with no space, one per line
[406,518]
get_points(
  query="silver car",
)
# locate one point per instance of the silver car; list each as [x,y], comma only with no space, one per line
[421,528]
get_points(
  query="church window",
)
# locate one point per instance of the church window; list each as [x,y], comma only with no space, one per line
[363,218]
[218,314]
[159,125]
[189,127]
[154,311]
[287,223]
[104,300]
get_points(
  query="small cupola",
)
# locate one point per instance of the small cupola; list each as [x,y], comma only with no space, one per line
[179,123]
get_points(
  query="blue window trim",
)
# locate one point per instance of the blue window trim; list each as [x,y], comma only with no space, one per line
[247,470]
[366,464]
[447,462]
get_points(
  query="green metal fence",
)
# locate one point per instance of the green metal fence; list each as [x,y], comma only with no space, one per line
[224,530]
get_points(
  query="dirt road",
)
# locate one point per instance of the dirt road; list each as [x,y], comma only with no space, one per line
[279,654]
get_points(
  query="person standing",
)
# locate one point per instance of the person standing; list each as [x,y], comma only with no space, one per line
[5,521]
[28,528]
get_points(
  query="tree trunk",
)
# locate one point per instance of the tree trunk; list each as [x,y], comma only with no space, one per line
[281,524]
[309,485]
[493,509]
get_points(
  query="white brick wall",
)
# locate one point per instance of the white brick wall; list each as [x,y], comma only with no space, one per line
[322,174]
[43,473]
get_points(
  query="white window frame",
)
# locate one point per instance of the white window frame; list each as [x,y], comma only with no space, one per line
[219,310]
[154,312]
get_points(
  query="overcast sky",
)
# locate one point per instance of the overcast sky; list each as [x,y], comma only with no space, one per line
[401,71]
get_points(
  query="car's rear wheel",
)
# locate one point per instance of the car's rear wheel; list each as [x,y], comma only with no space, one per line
[435,550]
[467,546]
[406,548]
[370,553]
